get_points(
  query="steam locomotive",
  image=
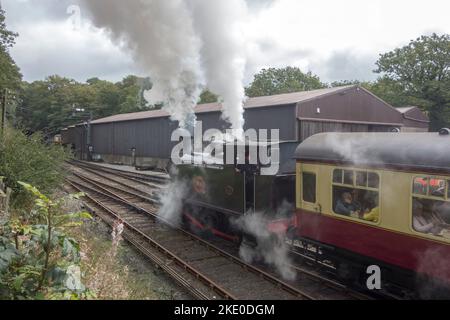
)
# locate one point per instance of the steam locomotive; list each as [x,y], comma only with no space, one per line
[354,199]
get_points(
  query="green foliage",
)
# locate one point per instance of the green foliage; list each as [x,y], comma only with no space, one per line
[7,37]
[208,97]
[419,73]
[343,83]
[28,158]
[10,76]
[38,260]
[275,81]
[51,104]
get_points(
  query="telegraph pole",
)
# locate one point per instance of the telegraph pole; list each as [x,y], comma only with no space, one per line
[3,110]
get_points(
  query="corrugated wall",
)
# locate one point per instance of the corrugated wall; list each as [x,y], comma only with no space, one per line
[152,137]
[102,138]
[277,117]
[354,105]
[309,128]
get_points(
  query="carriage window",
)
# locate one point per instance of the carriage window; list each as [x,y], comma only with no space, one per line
[448,189]
[373,180]
[309,187]
[337,176]
[437,188]
[348,177]
[431,206]
[420,186]
[361,179]
[357,196]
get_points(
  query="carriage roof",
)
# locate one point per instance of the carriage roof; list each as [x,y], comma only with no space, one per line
[415,151]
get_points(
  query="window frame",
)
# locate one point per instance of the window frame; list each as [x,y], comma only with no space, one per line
[413,195]
[302,187]
[355,186]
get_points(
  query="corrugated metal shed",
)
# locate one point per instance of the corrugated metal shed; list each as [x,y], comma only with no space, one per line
[297,115]
[258,102]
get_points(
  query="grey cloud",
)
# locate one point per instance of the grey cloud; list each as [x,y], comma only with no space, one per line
[259,4]
[79,65]
[40,54]
[346,65]
[21,12]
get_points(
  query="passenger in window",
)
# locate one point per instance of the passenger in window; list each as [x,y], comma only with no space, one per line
[442,209]
[371,211]
[345,205]
[420,186]
[437,188]
[355,199]
[424,221]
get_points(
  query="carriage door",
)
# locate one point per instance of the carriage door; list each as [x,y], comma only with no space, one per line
[308,189]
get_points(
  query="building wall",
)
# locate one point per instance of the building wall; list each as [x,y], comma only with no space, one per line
[354,110]
[351,106]
[150,137]
[102,138]
[309,128]
[78,136]
[276,117]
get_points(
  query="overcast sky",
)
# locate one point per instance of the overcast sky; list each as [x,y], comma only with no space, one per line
[336,40]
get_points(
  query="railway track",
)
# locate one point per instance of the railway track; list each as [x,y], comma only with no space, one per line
[192,260]
[109,190]
[139,178]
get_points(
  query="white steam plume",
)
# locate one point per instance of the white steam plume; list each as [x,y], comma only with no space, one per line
[270,248]
[179,43]
[172,202]
[161,36]
[219,24]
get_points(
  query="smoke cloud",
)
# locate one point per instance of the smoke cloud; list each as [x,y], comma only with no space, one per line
[219,24]
[184,46]
[269,248]
[172,202]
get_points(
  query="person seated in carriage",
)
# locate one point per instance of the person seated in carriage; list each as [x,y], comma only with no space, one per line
[347,206]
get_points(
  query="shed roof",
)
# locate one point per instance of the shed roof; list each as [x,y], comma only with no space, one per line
[428,151]
[257,102]
[414,113]
[404,110]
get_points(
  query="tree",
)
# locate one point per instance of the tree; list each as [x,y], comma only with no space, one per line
[48,105]
[28,158]
[275,81]
[10,76]
[419,73]
[132,90]
[51,104]
[208,97]
[343,83]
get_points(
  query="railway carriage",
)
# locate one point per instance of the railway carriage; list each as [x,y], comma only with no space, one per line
[399,185]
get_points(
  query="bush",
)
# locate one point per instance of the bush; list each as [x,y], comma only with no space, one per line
[29,159]
[38,260]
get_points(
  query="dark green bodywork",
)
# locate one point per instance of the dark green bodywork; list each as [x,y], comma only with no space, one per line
[224,187]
